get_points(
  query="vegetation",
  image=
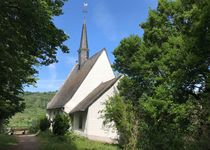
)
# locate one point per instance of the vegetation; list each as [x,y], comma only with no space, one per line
[28,38]
[44,124]
[7,141]
[71,142]
[61,124]
[163,99]
[36,104]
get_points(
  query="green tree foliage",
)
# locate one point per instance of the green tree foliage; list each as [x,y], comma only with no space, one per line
[44,124]
[35,109]
[167,78]
[61,124]
[122,113]
[28,38]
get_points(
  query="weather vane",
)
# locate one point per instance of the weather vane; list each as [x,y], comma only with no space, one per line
[85,7]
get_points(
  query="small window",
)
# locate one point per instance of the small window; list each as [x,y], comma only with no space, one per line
[80,121]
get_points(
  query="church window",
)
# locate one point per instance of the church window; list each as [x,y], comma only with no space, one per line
[80,121]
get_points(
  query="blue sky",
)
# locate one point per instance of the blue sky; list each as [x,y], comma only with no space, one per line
[108,22]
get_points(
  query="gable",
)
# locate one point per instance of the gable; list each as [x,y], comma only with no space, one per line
[100,72]
[72,83]
[94,95]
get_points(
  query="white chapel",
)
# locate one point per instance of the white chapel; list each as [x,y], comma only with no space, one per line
[82,96]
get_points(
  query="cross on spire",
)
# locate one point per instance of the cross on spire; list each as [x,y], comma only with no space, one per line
[83,50]
[85,7]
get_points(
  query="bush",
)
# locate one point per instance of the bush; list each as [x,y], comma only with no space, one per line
[44,124]
[34,128]
[61,124]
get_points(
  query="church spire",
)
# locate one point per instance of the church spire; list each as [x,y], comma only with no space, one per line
[84,41]
[83,51]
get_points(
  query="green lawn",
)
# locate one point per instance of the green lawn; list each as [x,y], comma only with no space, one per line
[71,142]
[6,141]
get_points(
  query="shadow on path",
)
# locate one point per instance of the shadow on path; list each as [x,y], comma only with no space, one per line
[26,142]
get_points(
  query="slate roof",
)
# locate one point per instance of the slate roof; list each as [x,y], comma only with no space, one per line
[84,40]
[94,95]
[73,82]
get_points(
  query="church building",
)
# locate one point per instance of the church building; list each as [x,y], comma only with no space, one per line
[82,96]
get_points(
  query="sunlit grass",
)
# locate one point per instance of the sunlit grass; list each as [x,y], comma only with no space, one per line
[71,142]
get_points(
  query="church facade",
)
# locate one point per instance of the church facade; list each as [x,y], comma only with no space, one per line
[82,96]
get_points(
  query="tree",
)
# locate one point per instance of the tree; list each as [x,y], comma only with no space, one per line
[44,124]
[126,121]
[167,76]
[28,38]
[61,124]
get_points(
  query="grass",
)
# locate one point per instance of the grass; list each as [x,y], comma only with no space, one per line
[71,142]
[6,141]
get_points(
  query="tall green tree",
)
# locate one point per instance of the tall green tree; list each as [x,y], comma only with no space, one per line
[167,77]
[28,38]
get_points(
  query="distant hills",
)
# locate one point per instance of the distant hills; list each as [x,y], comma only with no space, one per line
[36,103]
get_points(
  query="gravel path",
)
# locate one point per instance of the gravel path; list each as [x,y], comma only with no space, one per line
[26,142]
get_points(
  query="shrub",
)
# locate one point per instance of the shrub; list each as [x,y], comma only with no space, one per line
[44,124]
[61,124]
[34,128]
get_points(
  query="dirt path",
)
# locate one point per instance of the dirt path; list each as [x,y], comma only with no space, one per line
[26,142]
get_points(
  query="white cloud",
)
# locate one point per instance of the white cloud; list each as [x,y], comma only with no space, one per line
[71,60]
[105,21]
[45,85]
[52,75]
[52,82]
[49,85]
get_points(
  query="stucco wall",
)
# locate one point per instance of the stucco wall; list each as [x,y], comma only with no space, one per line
[100,72]
[96,130]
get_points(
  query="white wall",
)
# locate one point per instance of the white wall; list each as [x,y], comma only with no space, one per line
[96,130]
[100,72]
[50,114]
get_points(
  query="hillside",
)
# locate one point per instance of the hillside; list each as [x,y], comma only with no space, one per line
[35,108]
